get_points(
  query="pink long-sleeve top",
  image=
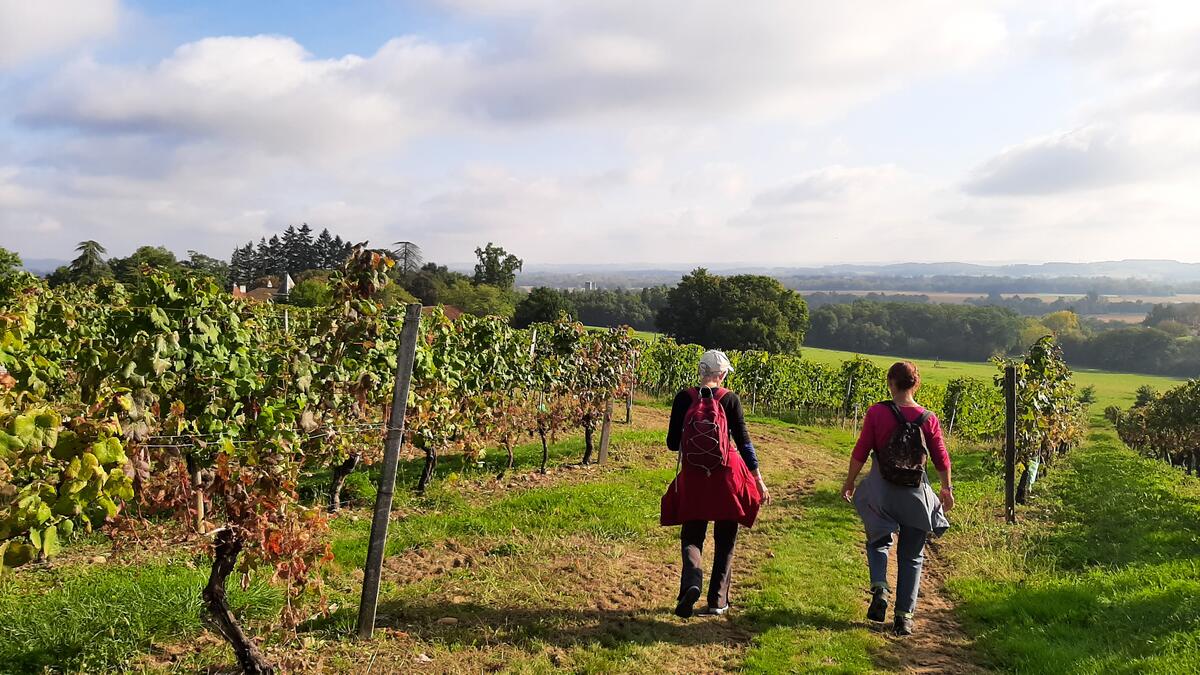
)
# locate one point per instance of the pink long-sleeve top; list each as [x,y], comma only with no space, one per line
[879,425]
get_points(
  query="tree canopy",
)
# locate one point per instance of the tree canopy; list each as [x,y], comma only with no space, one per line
[744,311]
[496,267]
[542,305]
[931,330]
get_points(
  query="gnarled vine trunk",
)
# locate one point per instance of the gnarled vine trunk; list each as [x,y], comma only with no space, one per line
[545,448]
[589,427]
[340,472]
[427,471]
[1023,486]
[226,549]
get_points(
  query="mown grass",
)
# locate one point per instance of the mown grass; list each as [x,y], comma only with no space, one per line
[1102,575]
[93,617]
[614,507]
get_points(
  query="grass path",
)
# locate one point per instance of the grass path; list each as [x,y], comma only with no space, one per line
[1101,575]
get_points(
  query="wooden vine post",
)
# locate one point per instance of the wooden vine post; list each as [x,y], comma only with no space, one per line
[387,480]
[1010,444]
[606,430]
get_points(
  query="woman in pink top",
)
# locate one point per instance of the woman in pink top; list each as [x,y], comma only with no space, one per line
[886,508]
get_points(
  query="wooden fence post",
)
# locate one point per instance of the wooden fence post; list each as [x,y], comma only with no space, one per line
[387,480]
[606,431]
[1010,444]
[632,385]
[953,414]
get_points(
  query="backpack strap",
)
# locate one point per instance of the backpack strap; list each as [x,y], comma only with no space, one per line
[920,421]
[719,393]
[693,393]
[891,405]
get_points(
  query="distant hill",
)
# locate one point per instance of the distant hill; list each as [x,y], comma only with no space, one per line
[1155,270]
[42,266]
[1147,277]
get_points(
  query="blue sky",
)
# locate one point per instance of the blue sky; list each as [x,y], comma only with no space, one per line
[677,132]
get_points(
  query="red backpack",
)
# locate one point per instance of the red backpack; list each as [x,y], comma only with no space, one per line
[705,443]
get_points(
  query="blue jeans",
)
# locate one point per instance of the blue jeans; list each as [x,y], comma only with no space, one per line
[910,552]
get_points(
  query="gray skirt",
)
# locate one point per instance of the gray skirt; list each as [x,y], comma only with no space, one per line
[884,507]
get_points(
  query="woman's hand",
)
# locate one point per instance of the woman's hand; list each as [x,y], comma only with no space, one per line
[947,496]
[762,490]
[848,491]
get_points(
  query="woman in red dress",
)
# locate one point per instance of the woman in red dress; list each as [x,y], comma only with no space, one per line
[718,482]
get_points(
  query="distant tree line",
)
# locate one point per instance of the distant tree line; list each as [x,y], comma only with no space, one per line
[601,307]
[1091,303]
[296,251]
[822,298]
[1177,319]
[1166,343]
[960,332]
[1136,349]
[91,266]
[735,312]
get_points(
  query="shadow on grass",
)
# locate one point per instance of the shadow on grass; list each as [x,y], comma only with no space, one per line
[529,628]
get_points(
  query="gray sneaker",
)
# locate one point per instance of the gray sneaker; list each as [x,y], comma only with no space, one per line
[713,611]
[903,625]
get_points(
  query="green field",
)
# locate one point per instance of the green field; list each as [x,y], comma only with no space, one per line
[1111,388]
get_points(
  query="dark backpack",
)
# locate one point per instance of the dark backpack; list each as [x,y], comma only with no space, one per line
[705,443]
[902,460]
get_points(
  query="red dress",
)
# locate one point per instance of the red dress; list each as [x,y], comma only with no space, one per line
[728,493]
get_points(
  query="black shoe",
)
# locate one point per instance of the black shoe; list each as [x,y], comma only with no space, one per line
[904,625]
[713,611]
[879,604]
[683,609]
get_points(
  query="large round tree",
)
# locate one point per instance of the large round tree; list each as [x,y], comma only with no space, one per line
[542,305]
[745,311]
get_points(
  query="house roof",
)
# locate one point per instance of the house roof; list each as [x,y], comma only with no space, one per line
[264,294]
[451,311]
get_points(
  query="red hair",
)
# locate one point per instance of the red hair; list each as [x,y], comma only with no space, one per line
[904,375]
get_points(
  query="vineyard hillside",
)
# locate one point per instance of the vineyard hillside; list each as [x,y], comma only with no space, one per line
[162,439]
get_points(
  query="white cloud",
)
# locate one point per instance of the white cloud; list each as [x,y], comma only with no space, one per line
[30,29]
[695,59]
[828,184]
[574,61]
[263,91]
[1088,158]
[618,131]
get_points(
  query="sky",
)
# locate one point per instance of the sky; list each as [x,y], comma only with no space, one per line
[608,131]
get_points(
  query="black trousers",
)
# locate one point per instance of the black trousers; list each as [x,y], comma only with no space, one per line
[692,536]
